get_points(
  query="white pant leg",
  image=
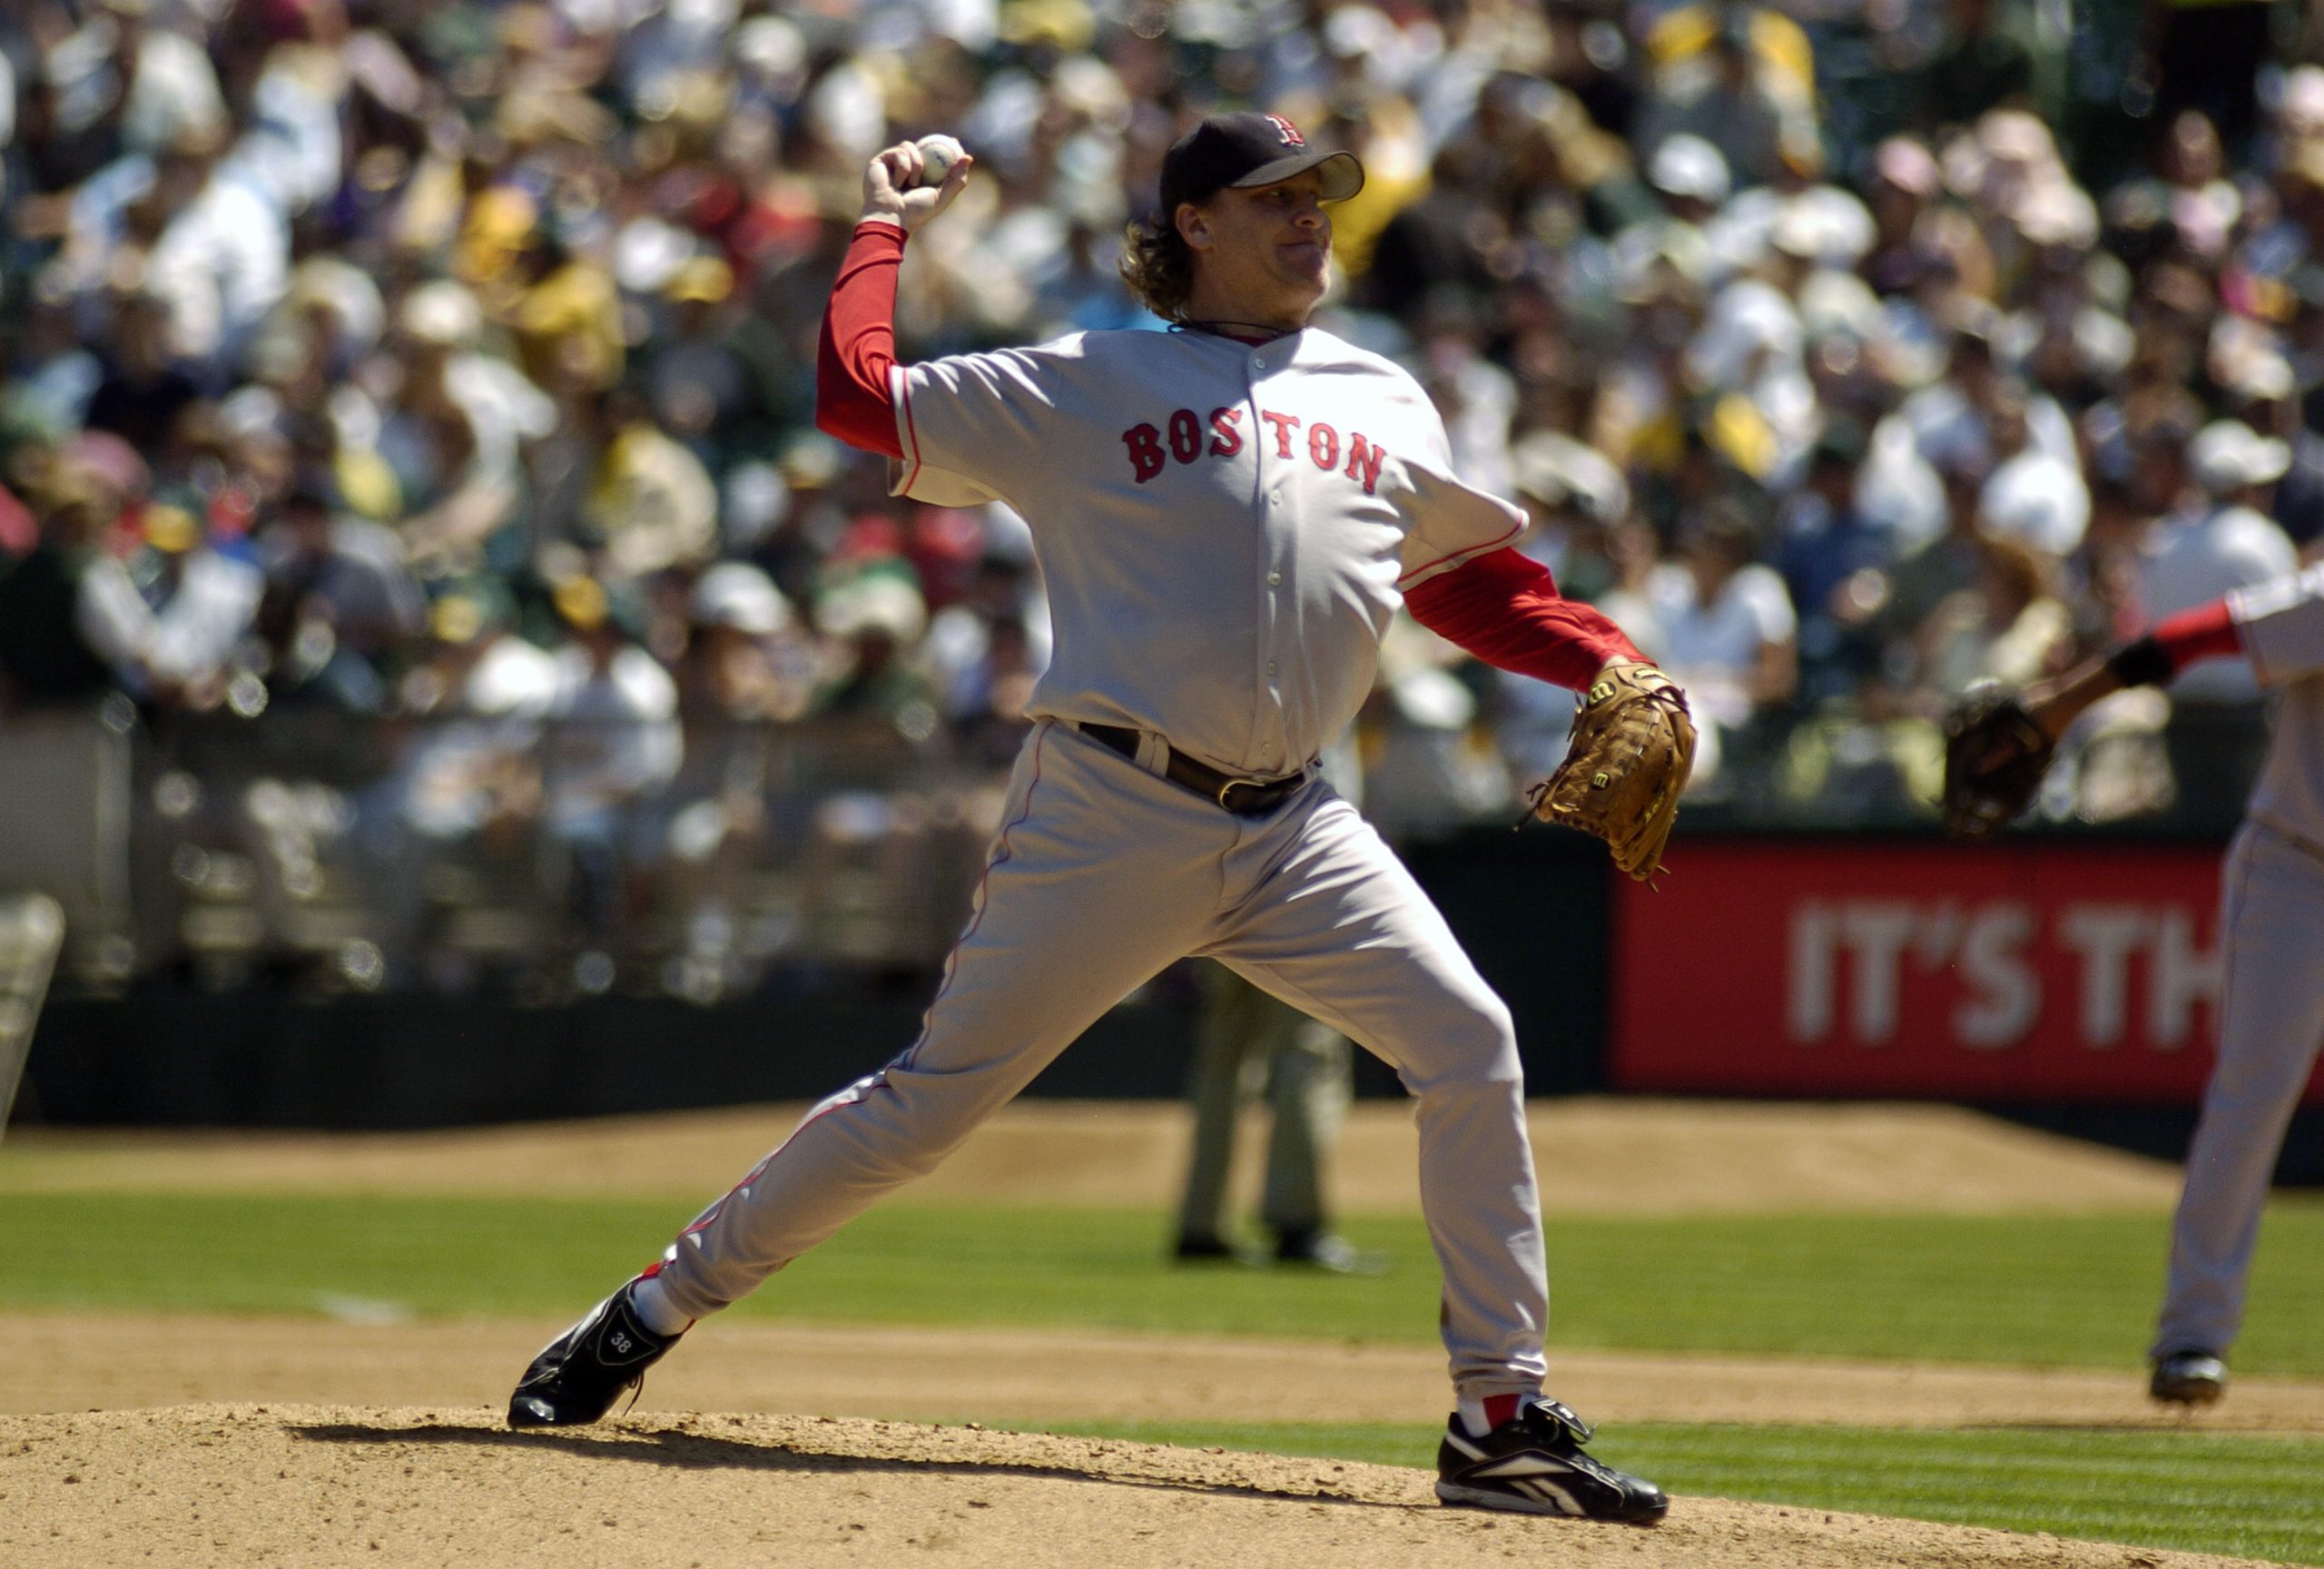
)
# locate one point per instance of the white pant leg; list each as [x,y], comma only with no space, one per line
[1102,875]
[1325,917]
[2271,1019]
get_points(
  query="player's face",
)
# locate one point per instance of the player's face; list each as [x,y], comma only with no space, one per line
[1262,255]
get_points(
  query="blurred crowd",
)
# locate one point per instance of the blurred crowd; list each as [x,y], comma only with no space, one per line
[402,360]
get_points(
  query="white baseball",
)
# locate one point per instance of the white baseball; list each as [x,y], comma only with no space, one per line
[938,154]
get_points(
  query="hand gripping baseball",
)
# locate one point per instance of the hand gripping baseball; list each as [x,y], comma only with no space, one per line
[1996,752]
[1632,750]
[893,188]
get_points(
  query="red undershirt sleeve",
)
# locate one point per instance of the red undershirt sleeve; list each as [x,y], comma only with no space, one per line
[858,348]
[2206,632]
[1504,609]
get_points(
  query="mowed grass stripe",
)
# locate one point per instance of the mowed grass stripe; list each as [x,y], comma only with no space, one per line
[2253,1497]
[2249,1496]
[2049,1291]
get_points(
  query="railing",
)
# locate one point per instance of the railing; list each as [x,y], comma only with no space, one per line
[557,859]
[550,857]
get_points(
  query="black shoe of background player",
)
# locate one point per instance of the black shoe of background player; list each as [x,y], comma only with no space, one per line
[1201,1248]
[2191,1378]
[1327,1250]
[1533,1463]
[579,1375]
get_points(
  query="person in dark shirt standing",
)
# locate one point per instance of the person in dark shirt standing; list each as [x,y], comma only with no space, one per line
[145,388]
[1981,67]
[44,661]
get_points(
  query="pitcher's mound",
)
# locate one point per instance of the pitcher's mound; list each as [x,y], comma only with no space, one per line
[195,1486]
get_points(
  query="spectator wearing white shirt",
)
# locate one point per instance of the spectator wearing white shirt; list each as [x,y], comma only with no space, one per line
[293,152]
[1476,397]
[2033,496]
[439,347]
[616,742]
[465,800]
[1582,529]
[451,431]
[483,691]
[2268,400]
[1799,214]
[2222,542]
[1691,179]
[118,73]
[172,618]
[2217,732]
[1729,634]
[1751,343]
[1954,411]
[2009,627]
[215,250]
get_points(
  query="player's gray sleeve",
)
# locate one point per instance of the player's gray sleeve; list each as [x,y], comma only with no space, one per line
[2282,622]
[1451,521]
[982,420]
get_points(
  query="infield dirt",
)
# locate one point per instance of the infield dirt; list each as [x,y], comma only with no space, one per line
[142,1439]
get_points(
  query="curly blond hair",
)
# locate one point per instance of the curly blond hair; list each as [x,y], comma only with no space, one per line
[1159,266]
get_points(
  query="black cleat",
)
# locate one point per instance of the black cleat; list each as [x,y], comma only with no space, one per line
[1533,1463]
[1196,1248]
[1193,1248]
[579,1375]
[2189,1377]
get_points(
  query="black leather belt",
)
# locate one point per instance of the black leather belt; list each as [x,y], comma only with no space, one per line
[1244,797]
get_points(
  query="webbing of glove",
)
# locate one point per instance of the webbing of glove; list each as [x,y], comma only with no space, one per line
[1995,753]
[1631,753]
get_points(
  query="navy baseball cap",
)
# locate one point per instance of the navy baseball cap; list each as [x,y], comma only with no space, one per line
[1245,150]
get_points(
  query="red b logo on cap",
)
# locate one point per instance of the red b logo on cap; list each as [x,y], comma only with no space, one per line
[1287,131]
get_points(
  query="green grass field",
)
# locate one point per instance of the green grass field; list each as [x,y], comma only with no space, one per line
[2253,1497]
[2054,1291]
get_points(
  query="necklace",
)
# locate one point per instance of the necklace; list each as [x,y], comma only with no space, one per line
[1225,330]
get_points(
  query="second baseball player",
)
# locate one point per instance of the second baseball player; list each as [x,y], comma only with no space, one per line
[2271,927]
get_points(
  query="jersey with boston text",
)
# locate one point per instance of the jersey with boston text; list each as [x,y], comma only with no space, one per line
[1225,529]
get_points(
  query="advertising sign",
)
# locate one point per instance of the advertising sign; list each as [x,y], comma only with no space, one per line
[2015,971]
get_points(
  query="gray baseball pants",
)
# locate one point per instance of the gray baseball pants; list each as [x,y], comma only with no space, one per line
[2270,1023]
[1103,874]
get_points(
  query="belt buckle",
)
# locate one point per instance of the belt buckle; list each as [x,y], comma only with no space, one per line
[1225,789]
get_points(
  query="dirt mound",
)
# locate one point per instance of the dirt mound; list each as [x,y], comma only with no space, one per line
[200,1486]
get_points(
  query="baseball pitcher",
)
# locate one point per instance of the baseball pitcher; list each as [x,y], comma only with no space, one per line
[1228,515]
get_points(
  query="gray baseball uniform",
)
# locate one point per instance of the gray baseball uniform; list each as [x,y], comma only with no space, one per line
[1224,530]
[1309,1072]
[2271,1008]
